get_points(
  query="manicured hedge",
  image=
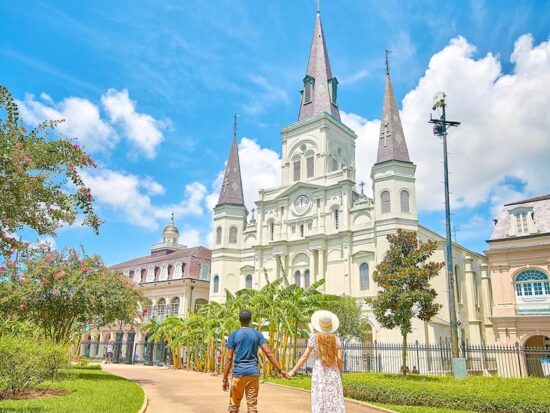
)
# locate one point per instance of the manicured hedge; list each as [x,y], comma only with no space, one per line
[482,394]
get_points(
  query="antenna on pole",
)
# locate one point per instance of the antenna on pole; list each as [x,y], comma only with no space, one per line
[387,51]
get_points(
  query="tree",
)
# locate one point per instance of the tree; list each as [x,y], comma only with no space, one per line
[40,183]
[61,291]
[352,323]
[404,280]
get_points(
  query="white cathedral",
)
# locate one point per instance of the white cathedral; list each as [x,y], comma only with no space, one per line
[315,225]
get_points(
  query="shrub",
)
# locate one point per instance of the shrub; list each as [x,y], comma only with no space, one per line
[482,394]
[25,363]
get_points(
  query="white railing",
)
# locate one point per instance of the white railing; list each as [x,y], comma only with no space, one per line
[533,309]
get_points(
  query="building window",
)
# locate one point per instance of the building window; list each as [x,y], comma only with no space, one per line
[150,274]
[405,198]
[297,277]
[302,230]
[364,276]
[336,220]
[308,89]
[306,278]
[457,283]
[218,235]
[137,275]
[164,273]
[297,170]
[248,281]
[233,235]
[199,303]
[532,283]
[205,272]
[175,306]
[333,164]
[162,307]
[216,287]
[385,199]
[521,223]
[272,231]
[476,290]
[333,87]
[309,164]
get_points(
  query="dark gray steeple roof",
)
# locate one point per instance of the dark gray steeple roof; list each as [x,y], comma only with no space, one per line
[391,145]
[232,186]
[318,70]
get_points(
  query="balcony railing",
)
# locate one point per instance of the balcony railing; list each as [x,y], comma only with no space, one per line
[160,312]
[533,309]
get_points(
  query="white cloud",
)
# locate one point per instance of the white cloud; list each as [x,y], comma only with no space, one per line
[504,131]
[190,237]
[265,96]
[140,128]
[152,187]
[82,119]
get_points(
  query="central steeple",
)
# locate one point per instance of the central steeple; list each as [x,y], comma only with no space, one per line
[232,187]
[320,87]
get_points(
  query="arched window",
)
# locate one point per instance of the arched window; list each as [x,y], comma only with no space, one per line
[248,281]
[233,235]
[296,170]
[336,218]
[216,283]
[334,164]
[297,277]
[199,303]
[302,230]
[309,167]
[532,283]
[364,276]
[162,307]
[405,198]
[385,199]
[306,278]
[272,231]
[175,306]
[218,235]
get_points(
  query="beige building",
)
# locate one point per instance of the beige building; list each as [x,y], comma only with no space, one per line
[519,261]
[316,225]
[174,277]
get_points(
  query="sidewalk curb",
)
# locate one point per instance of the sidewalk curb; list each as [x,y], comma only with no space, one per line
[145,401]
[353,401]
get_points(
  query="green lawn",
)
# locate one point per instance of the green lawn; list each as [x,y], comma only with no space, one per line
[91,391]
[444,394]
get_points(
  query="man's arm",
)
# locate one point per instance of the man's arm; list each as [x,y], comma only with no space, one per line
[265,348]
[227,368]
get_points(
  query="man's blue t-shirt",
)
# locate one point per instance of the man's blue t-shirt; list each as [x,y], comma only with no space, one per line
[245,342]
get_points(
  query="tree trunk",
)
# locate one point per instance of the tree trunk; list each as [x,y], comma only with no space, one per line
[404,367]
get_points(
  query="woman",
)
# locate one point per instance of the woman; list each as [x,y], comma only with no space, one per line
[326,383]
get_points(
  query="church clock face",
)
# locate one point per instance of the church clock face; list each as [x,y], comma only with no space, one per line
[302,204]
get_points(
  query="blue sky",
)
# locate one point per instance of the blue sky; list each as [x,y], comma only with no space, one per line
[151,87]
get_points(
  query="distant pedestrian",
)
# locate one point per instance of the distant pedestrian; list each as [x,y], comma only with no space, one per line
[242,354]
[109,352]
[415,370]
[327,395]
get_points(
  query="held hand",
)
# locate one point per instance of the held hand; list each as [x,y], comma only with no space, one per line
[290,374]
[225,385]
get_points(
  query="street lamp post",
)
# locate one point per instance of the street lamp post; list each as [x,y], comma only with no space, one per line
[440,129]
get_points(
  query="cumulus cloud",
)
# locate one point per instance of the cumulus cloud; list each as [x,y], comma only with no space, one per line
[504,131]
[82,119]
[129,196]
[140,128]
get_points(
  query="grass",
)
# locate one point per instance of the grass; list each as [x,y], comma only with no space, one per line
[417,394]
[91,391]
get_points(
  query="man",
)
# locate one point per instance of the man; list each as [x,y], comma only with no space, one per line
[242,353]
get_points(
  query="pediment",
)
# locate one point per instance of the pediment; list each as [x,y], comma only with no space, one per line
[296,187]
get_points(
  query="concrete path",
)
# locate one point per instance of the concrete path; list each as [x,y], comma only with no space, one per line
[171,391]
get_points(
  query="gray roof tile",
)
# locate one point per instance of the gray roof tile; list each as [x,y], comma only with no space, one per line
[541,216]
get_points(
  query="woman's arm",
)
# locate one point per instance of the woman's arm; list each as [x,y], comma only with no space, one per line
[300,362]
[340,362]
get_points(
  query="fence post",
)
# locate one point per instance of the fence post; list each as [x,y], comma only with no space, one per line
[519,359]
[417,356]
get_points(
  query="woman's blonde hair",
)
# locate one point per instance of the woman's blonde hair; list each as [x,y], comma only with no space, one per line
[327,349]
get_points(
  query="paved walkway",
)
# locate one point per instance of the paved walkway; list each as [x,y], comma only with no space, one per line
[171,391]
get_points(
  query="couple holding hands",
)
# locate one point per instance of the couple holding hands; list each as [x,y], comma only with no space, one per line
[326,384]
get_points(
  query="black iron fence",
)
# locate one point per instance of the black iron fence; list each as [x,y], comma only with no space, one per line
[430,359]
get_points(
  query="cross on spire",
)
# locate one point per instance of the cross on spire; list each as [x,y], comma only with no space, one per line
[172,218]
[252,211]
[235,116]
[362,185]
[318,6]
[387,51]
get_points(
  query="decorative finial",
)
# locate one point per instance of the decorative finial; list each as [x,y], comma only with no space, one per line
[253,210]
[235,125]
[172,218]
[318,6]
[387,62]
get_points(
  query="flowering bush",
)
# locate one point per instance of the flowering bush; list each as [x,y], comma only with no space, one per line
[40,184]
[62,291]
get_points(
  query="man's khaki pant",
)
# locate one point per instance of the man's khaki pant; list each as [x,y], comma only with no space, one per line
[248,385]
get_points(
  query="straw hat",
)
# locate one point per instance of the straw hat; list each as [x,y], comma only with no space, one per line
[324,322]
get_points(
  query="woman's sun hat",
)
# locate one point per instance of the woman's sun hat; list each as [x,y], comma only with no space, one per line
[324,322]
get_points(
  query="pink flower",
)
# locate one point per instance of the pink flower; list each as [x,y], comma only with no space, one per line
[24,129]
[2,268]
[23,306]
[85,270]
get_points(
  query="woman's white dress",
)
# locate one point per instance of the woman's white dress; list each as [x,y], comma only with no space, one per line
[327,395]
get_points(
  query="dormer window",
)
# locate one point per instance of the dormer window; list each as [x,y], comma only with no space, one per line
[521,222]
[308,89]
[333,88]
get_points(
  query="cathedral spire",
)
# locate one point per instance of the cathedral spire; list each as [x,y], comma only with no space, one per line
[232,186]
[391,145]
[320,87]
